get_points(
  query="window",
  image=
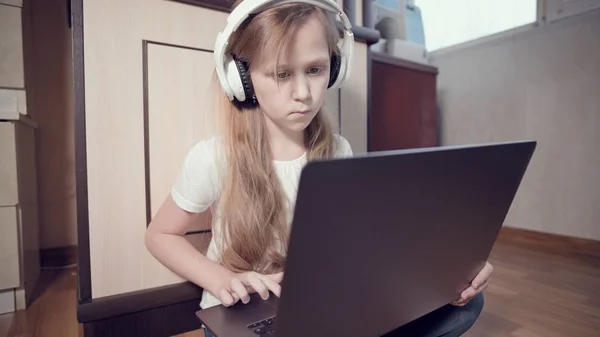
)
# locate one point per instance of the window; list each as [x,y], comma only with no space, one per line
[447,23]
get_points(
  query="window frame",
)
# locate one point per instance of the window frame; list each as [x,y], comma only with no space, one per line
[548,12]
[539,21]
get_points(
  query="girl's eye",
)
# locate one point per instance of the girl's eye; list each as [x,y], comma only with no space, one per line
[315,70]
[282,75]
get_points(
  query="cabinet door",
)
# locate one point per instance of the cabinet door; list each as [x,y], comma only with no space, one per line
[147,102]
[403,105]
[9,248]
[8,165]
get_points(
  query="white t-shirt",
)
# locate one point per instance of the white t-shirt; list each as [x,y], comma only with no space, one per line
[200,182]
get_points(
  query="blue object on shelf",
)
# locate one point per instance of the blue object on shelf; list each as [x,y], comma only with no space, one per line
[391,4]
[412,20]
[414,25]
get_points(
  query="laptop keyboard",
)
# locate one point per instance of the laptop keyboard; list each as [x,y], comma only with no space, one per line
[265,327]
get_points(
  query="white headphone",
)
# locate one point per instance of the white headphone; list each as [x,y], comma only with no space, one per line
[233,75]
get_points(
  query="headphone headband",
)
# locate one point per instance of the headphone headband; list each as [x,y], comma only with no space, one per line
[225,66]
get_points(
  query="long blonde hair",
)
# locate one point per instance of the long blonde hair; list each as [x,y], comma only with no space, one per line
[252,204]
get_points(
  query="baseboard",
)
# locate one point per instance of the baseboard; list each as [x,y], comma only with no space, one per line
[138,301]
[549,242]
[58,256]
[156,312]
[164,321]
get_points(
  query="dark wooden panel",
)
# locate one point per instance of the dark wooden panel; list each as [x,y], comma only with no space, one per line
[137,301]
[83,230]
[403,109]
[162,321]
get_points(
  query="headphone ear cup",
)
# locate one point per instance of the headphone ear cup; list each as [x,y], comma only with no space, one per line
[234,82]
[246,81]
[334,69]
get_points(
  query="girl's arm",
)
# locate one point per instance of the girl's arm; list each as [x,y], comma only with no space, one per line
[166,242]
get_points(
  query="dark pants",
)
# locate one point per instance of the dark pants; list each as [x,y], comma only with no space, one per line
[448,321]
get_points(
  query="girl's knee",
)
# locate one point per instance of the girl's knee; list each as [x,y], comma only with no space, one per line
[469,314]
[476,305]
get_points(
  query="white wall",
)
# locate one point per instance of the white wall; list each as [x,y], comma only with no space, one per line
[542,84]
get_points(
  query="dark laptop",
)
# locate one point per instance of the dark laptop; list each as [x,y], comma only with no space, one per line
[381,239]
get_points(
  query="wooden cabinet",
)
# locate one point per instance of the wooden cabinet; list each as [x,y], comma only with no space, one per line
[19,228]
[148,99]
[403,109]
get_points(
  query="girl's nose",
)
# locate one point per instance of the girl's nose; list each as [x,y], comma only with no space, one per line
[301,89]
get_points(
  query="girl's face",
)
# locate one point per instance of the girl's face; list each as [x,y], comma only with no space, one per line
[291,97]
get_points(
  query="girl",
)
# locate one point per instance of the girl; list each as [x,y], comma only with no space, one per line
[247,175]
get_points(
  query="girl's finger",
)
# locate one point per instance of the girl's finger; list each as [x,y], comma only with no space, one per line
[483,275]
[238,287]
[468,294]
[226,298]
[258,286]
[271,285]
[482,287]
[236,298]
[278,277]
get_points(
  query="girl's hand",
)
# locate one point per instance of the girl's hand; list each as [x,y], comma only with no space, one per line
[241,285]
[480,282]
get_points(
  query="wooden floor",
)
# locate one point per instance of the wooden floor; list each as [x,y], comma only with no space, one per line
[542,287]
[53,313]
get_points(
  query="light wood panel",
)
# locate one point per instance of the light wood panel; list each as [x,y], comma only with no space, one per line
[177,119]
[115,129]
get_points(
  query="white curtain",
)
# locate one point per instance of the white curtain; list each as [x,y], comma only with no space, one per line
[450,22]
